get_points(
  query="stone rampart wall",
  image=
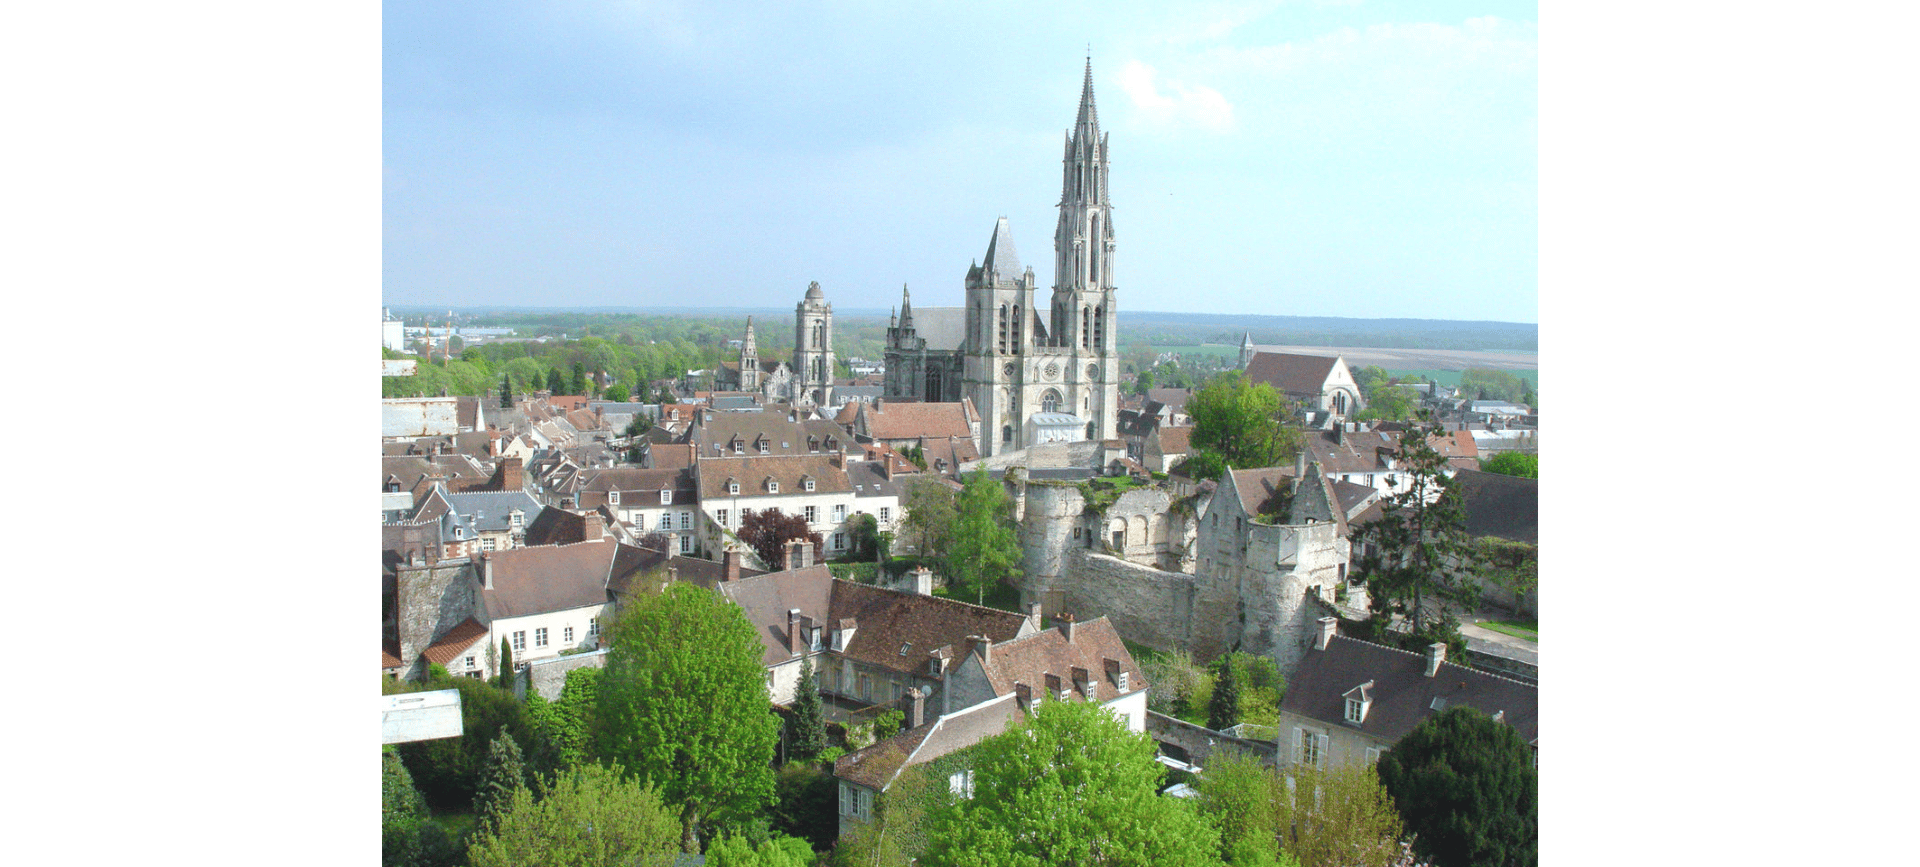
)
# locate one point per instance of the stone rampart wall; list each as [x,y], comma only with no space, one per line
[1146,605]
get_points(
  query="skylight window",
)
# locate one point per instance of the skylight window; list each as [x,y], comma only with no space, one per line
[1439,703]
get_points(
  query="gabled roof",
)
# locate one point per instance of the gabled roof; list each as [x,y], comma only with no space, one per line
[1402,694]
[1174,399]
[1030,659]
[943,328]
[1175,440]
[767,599]
[877,766]
[887,620]
[1297,375]
[547,579]
[751,472]
[455,643]
[491,511]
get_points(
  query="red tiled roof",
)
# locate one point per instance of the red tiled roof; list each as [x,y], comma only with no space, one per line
[1029,660]
[898,421]
[455,643]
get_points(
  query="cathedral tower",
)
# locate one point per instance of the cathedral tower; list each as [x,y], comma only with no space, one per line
[813,348]
[749,361]
[1083,288]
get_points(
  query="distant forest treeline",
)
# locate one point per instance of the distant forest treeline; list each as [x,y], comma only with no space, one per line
[863,335]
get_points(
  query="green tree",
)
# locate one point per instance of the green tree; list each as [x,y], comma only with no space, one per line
[982,549]
[556,382]
[683,701]
[1304,815]
[1522,464]
[617,392]
[567,723]
[408,835]
[448,770]
[1241,424]
[505,678]
[930,515]
[506,773]
[506,392]
[1070,785]
[1418,553]
[1491,384]
[807,803]
[1223,709]
[1387,401]
[578,384]
[780,851]
[863,535]
[1466,787]
[1143,383]
[807,726]
[589,816]
[1239,795]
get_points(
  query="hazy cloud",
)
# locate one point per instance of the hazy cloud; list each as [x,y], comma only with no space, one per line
[1182,105]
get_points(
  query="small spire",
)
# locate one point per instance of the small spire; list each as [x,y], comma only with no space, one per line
[1088,114]
[906,307]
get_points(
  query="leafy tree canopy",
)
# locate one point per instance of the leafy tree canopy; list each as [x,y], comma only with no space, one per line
[982,548]
[1242,424]
[589,816]
[1070,785]
[767,532]
[1466,787]
[683,701]
[1418,552]
[1524,465]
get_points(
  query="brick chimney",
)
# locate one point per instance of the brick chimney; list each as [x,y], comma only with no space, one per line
[916,708]
[593,526]
[795,642]
[512,474]
[486,570]
[1436,654]
[1023,695]
[731,561]
[1066,626]
[1329,626]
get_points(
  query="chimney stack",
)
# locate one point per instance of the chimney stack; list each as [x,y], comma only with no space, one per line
[922,582]
[593,526]
[1066,627]
[1023,695]
[486,570]
[1300,464]
[1034,617]
[794,641]
[983,647]
[916,708]
[1329,626]
[673,545]
[731,559]
[1436,654]
[512,474]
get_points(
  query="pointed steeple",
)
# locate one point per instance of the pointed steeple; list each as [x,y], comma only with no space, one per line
[893,317]
[1088,114]
[906,307]
[1001,258]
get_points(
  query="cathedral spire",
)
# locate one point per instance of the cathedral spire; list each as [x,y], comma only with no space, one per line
[906,307]
[1088,114]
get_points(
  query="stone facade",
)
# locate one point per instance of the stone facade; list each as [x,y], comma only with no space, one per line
[430,600]
[1010,359]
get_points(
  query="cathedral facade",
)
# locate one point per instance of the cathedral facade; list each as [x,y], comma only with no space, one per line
[1034,376]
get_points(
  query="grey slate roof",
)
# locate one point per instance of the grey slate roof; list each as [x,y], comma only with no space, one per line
[1504,506]
[941,327]
[489,511]
[1002,261]
[1402,693]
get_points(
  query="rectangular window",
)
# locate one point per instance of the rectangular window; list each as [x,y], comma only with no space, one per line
[593,626]
[839,514]
[839,541]
[686,520]
[1353,710]
[961,784]
[686,544]
[866,687]
[613,498]
[1373,755]
[813,514]
[486,544]
[517,520]
[471,663]
[639,521]
[540,637]
[883,514]
[721,515]
[566,635]
[520,640]
[1312,747]
[666,497]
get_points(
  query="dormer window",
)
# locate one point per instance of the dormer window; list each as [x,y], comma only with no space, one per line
[813,444]
[613,498]
[763,446]
[739,447]
[666,497]
[773,487]
[1359,700]
[516,519]
[733,486]
[806,482]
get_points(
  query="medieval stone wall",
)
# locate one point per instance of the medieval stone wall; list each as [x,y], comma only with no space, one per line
[1146,605]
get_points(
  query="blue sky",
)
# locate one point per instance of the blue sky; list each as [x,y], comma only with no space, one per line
[1360,159]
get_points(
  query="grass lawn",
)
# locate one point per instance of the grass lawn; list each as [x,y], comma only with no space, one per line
[1526,629]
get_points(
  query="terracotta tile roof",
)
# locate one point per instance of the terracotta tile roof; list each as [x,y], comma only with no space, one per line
[584,419]
[752,474]
[1402,695]
[767,599]
[637,486]
[1029,660]
[389,654]
[455,643]
[555,527]
[547,579]
[1175,440]
[1297,375]
[848,413]
[898,630]
[877,766]
[899,421]
[567,402]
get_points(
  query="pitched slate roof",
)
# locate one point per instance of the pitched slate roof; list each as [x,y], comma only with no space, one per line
[1507,507]
[638,486]
[1361,451]
[547,578]
[885,620]
[941,327]
[877,766]
[491,511]
[1174,399]
[767,599]
[1030,659]
[1291,374]
[1403,695]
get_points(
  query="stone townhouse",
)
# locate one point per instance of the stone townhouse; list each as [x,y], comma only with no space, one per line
[1348,700]
[991,687]
[903,424]
[869,644]
[1372,457]
[817,487]
[768,432]
[646,501]
[476,521]
[541,600]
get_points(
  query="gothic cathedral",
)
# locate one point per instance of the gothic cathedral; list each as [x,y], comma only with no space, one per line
[1033,378]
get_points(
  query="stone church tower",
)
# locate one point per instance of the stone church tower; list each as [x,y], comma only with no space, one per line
[749,361]
[812,348]
[1083,287]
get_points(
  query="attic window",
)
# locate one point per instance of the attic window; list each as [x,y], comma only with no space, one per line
[1439,703]
[905,647]
[733,486]
[666,497]
[813,444]
[773,487]
[808,482]
[613,498]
